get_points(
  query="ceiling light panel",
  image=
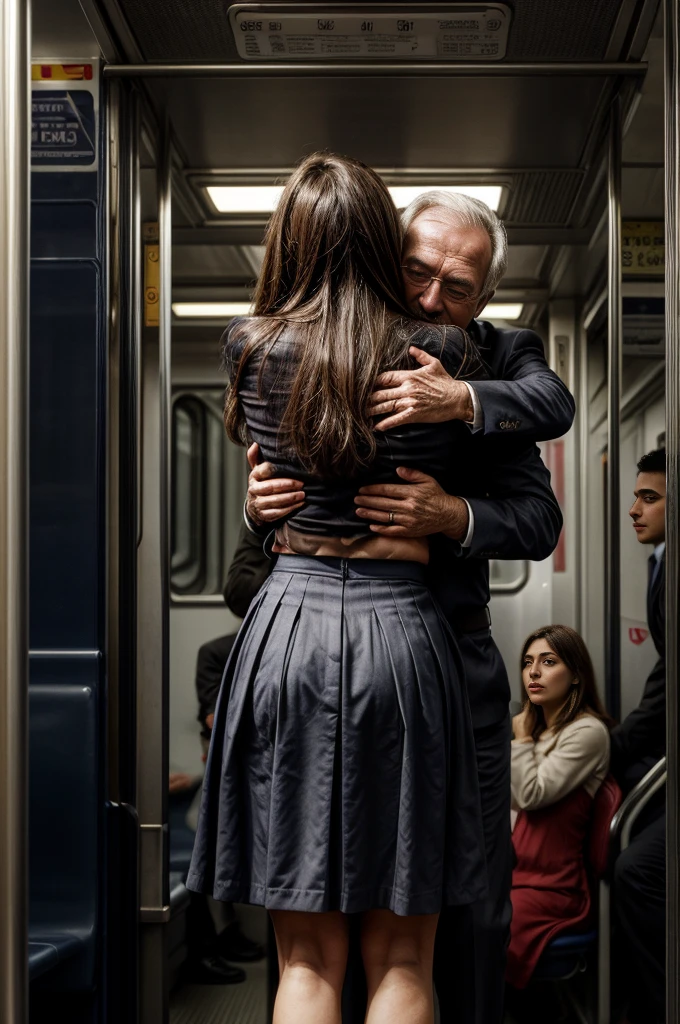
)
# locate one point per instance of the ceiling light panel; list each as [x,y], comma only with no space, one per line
[211,310]
[244,199]
[405,194]
[501,311]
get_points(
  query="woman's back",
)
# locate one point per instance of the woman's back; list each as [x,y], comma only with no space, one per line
[264,389]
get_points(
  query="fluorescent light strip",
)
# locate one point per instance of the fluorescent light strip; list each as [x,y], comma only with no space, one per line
[501,311]
[220,310]
[405,194]
[263,198]
[214,310]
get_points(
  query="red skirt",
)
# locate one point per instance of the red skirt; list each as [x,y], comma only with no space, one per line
[550,891]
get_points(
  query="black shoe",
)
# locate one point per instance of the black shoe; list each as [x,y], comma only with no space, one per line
[213,970]
[234,945]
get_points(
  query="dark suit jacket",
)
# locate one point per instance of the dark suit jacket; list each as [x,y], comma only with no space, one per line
[640,741]
[537,405]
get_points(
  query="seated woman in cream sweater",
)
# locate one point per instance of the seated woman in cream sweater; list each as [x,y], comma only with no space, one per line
[560,756]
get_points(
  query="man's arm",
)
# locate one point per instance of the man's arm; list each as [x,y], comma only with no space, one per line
[518,516]
[248,570]
[529,402]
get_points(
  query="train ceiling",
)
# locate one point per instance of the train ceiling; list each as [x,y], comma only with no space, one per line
[542,138]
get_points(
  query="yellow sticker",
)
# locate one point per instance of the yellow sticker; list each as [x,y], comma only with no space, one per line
[61,72]
[643,249]
[152,277]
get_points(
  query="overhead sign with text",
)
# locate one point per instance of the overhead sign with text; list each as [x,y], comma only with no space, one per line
[477,32]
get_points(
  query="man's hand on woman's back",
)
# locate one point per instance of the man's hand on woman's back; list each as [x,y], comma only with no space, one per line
[269,498]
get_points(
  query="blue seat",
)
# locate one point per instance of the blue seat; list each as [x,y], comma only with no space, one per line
[565,956]
[46,952]
[64,854]
[41,957]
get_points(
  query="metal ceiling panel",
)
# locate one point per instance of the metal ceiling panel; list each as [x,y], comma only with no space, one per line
[213,262]
[61,30]
[525,262]
[480,123]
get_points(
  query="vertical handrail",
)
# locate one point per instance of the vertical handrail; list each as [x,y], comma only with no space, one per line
[153,628]
[614,332]
[164,364]
[14,270]
[672,156]
[137,289]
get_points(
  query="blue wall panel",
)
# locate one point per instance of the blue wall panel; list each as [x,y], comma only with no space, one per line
[65,503]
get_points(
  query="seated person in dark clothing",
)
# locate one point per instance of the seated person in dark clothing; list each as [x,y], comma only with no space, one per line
[248,570]
[636,745]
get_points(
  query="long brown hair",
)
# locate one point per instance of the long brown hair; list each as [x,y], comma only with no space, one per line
[571,648]
[332,268]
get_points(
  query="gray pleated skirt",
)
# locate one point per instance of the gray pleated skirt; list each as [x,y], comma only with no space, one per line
[342,772]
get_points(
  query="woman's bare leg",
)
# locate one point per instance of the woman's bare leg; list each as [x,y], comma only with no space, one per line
[312,951]
[397,954]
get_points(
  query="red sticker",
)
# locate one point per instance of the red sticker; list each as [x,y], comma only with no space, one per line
[637,635]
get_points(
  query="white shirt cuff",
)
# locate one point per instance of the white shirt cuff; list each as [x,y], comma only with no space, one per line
[477,421]
[471,526]
[247,522]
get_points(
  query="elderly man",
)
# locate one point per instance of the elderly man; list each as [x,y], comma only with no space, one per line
[455,253]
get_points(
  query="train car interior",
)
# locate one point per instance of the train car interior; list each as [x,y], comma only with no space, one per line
[161,136]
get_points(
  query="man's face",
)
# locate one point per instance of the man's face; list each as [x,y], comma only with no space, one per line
[436,245]
[649,509]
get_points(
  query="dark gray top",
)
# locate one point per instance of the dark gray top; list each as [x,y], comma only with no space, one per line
[329,509]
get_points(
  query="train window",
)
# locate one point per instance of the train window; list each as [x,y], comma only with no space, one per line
[507,576]
[209,481]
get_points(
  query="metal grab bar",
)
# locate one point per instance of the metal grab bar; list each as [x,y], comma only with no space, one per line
[15,118]
[406,69]
[620,829]
[635,803]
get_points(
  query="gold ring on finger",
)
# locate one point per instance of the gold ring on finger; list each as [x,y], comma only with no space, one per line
[391,518]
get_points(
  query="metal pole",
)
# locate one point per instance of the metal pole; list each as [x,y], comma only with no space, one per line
[614,332]
[165,364]
[672,157]
[406,69]
[14,267]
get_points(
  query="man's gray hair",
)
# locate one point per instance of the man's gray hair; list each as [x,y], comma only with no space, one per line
[471,213]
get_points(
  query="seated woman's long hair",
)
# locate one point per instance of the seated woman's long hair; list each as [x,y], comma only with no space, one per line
[332,270]
[571,648]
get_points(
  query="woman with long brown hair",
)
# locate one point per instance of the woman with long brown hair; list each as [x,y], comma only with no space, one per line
[342,775]
[560,756]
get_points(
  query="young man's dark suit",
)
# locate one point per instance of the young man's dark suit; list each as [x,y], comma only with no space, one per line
[640,871]
[516,517]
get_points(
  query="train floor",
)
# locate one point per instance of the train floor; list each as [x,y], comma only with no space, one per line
[223,1004]
[247,1004]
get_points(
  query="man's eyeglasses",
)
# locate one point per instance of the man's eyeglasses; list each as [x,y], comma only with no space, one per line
[421,279]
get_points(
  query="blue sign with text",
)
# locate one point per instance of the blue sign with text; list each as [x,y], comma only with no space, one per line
[63,128]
